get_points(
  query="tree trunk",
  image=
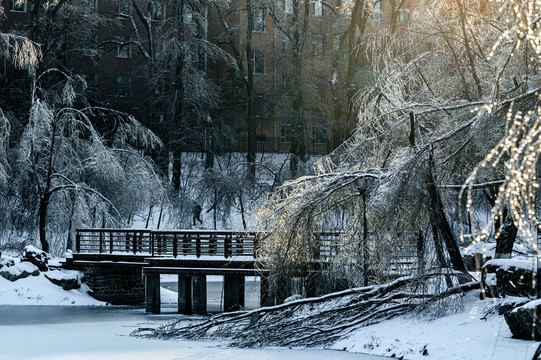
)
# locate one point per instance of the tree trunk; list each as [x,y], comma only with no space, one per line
[251,126]
[504,242]
[439,220]
[43,205]
[177,165]
[440,254]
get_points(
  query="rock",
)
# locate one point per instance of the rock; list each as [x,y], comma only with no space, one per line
[512,278]
[525,321]
[36,256]
[511,303]
[66,279]
[6,261]
[19,271]
[471,261]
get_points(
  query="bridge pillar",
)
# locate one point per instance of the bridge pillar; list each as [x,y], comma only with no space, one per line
[233,292]
[152,293]
[185,294]
[200,294]
[264,296]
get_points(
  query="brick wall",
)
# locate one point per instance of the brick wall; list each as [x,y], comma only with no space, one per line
[118,286]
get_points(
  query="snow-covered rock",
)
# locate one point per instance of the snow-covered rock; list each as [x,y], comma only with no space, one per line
[36,256]
[513,277]
[67,279]
[20,271]
[6,261]
[525,321]
[510,303]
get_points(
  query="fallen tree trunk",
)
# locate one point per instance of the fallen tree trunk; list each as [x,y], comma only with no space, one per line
[313,321]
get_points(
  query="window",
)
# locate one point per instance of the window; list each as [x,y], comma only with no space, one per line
[192,53]
[259,106]
[157,9]
[18,6]
[90,6]
[288,6]
[286,129]
[318,40]
[347,8]
[318,8]
[404,16]
[188,15]
[286,45]
[259,61]
[378,14]
[319,131]
[123,85]
[337,42]
[260,17]
[123,49]
[123,7]
[90,45]
[91,83]
[287,84]
[321,87]
[85,6]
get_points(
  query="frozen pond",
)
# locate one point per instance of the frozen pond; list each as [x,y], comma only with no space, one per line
[61,333]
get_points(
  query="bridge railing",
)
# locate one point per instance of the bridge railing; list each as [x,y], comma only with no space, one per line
[185,242]
[206,243]
[113,241]
[168,243]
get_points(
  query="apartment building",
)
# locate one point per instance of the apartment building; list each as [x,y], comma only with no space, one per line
[117,56]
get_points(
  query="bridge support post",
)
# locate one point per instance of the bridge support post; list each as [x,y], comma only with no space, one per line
[264,296]
[184,294]
[233,292]
[200,294]
[152,293]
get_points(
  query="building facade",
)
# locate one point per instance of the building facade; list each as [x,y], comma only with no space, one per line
[135,56]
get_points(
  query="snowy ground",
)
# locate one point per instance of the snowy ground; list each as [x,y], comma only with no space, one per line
[75,330]
[463,335]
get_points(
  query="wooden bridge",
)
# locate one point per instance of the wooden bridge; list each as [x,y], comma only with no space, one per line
[126,254]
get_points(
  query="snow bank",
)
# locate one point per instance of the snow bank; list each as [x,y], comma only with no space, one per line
[468,334]
[37,290]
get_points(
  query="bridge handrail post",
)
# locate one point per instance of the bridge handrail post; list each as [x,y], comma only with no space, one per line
[152,243]
[134,242]
[127,245]
[77,241]
[110,242]
[175,246]
[228,245]
[256,244]
[198,246]
[101,242]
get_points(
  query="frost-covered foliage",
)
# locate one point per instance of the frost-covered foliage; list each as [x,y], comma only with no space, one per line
[66,174]
[443,85]
[19,51]
[226,194]
[519,149]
